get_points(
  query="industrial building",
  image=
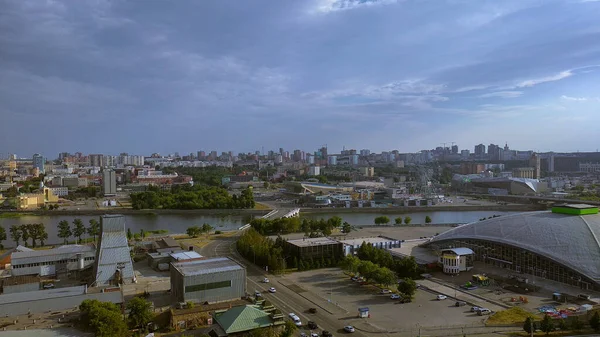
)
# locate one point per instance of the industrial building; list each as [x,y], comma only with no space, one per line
[351,246]
[113,260]
[308,248]
[52,261]
[560,245]
[209,280]
[162,260]
[498,185]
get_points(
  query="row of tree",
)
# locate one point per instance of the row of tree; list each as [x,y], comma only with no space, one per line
[369,270]
[311,227]
[403,267]
[65,231]
[104,319]
[384,220]
[192,197]
[547,324]
[261,250]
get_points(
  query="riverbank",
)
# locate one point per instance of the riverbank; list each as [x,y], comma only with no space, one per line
[258,212]
[417,209]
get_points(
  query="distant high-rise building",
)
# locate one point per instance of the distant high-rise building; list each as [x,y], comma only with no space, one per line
[332,160]
[455,149]
[297,155]
[109,182]
[96,160]
[38,162]
[535,162]
[201,155]
[479,150]
[465,154]
[213,155]
[365,152]
[493,151]
[323,151]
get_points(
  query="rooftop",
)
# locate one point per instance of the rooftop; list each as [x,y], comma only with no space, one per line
[243,318]
[185,256]
[70,249]
[312,242]
[207,266]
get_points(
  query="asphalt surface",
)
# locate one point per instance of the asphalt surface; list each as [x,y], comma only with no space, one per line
[284,299]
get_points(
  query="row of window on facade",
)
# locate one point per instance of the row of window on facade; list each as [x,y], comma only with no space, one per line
[50,263]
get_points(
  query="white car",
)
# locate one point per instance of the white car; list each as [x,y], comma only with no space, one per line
[314,334]
[349,328]
[257,294]
[385,291]
[265,280]
[272,290]
[395,297]
[295,319]
[441,297]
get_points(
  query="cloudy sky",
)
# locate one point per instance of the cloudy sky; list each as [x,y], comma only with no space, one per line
[102,76]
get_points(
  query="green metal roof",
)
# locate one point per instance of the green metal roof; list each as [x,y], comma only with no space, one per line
[243,318]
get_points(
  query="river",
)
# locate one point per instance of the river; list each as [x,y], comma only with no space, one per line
[178,223]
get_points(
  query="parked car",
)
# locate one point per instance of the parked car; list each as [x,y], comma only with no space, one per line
[49,286]
[349,328]
[385,291]
[355,278]
[295,319]
[484,311]
[314,334]
[475,309]
[441,297]
[395,297]
[257,294]
[312,310]
[460,303]
[326,333]
[265,280]
[302,334]
[272,290]
[312,325]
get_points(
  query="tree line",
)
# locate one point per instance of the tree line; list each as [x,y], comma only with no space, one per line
[192,197]
[65,231]
[104,319]
[384,220]
[403,267]
[195,231]
[36,232]
[311,227]
[548,324]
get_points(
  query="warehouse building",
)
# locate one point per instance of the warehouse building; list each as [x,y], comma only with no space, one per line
[311,248]
[52,261]
[161,261]
[210,280]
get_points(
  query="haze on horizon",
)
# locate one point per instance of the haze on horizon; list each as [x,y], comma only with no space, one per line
[146,76]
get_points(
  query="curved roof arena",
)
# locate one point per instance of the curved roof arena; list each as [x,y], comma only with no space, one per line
[570,240]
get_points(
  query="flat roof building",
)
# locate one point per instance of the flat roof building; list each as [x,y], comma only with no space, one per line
[52,261]
[207,280]
[311,248]
[351,246]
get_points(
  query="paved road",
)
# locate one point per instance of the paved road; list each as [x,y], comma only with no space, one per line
[285,299]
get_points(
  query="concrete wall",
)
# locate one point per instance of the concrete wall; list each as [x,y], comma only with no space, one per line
[179,283]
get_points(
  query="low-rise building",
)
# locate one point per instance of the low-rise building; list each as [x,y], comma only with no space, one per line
[74,182]
[207,280]
[312,248]
[59,191]
[52,261]
[351,246]
[238,321]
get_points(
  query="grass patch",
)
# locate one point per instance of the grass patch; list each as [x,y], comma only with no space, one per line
[510,316]
[10,215]
[262,207]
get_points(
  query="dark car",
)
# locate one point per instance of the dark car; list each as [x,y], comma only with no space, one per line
[312,310]
[312,325]
[460,303]
[326,333]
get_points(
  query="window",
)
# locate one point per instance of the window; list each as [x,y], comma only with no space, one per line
[208,286]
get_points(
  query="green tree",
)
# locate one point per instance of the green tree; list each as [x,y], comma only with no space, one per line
[595,321]
[25,233]
[382,220]
[408,287]
[42,234]
[93,229]
[407,220]
[427,219]
[562,324]
[129,234]
[37,231]
[140,312]
[398,220]
[350,263]
[78,229]
[289,329]
[547,325]
[15,233]
[347,228]
[367,269]
[103,319]
[529,325]
[193,231]
[206,228]
[2,236]
[64,231]
[576,323]
[384,276]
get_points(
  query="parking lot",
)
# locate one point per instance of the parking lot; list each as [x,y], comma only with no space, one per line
[335,289]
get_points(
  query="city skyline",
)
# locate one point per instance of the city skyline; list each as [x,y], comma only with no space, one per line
[407,75]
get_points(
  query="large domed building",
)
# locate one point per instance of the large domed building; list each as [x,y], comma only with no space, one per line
[561,245]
